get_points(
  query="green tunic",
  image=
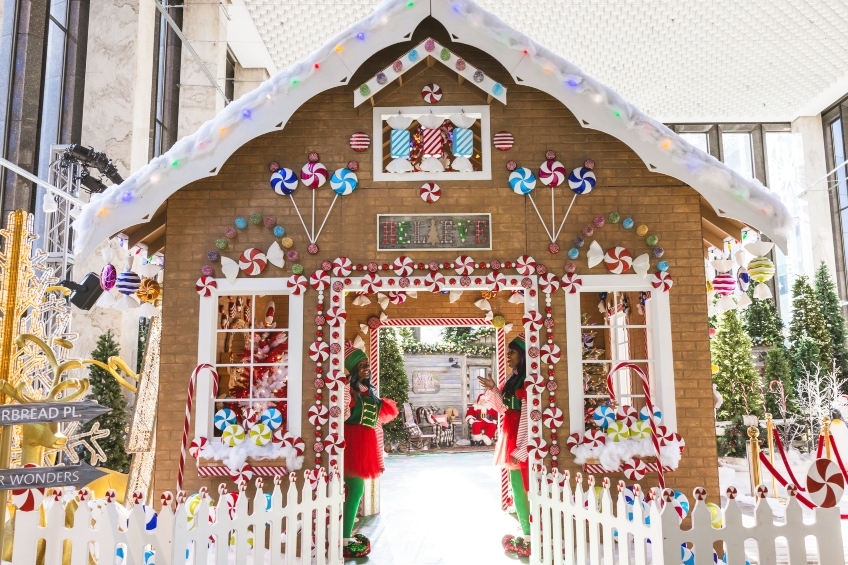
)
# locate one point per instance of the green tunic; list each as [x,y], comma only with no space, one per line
[364,411]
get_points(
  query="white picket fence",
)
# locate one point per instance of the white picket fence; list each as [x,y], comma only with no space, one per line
[197,532]
[574,526]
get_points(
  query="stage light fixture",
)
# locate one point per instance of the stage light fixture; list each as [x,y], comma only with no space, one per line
[86,293]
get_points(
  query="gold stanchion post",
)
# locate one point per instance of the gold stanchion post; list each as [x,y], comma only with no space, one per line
[754,457]
[770,432]
[826,437]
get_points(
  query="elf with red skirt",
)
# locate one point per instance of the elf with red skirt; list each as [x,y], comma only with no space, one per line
[511,448]
[364,411]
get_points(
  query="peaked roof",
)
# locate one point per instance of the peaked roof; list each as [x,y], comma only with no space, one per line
[269,107]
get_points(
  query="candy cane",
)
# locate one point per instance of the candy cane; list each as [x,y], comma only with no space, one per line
[192,387]
[646,387]
[782,393]
[744,396]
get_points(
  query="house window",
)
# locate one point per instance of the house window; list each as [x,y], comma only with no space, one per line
[615,319]
[244,334]
[432,143]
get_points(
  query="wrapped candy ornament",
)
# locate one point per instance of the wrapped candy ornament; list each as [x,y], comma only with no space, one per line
[127,284]
[432,143]
[761,270]
[399,144]
[463,142]
[724,284]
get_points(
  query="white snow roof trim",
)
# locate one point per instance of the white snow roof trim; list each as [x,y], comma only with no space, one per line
[269,107]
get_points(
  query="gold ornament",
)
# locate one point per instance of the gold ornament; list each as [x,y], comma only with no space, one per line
[498,322]
[287,242]
[488,294]
[149,290]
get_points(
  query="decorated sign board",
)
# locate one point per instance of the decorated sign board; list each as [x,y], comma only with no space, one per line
[425,383]
[434,232]
[44,477]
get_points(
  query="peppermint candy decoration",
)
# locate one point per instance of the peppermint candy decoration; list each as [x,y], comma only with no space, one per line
[333,444]
[431,93]
[627,415]
[403,266]
[618,431]
[603,416]
[196,446]
[503,141]
[645,414]
[297,284]
[336,317]
[205,286]
[343,181]
[551,353]
[463,265]
[532,320]
[313,175]
[634,469]
[552,417]
[571,283]
[522,181]
[317,414]
[260,434]
[430,192]
[618,260]
[252,261]
[319,280]
[272,418]
[662,280]
[594,438]
[581,180]
[495,280]
[552,173]
[27,499]
[232,435]
[371,283]
[223,418]
[334,380]
[287,439]
[825,483]
[537,448]
[284,182]
[242,475]
[342,267]
[525,265]
[548,283]
[319,351]
[434,281]
[573,441]
[360,142]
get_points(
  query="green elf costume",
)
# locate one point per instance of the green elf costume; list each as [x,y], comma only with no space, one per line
[365,412]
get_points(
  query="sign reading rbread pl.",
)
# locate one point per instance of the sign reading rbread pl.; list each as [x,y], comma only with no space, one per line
[43,477]
[50,412]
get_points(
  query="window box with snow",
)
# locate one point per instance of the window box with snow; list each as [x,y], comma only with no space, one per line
[432,143]
[616,319]
[250,332]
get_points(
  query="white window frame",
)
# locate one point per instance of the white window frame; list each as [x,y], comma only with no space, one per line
[208,339]
[481,113]
[659,344]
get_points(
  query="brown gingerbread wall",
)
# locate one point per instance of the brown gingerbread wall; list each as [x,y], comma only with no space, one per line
[198,214]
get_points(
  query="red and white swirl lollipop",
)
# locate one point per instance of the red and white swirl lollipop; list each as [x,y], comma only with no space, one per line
[463,265]
[372,283]
[825,483]
[242,475]
[434,281]
[431,93]
[552,173]
[317,414]
[594,438]
[313,175]
[618,260]
[662,280]
[525,265]
[205,286]
[28,499]
[196,446]
[335,316]
[319,351]
[537,448]
[551,353]
[342,267]
[297,284]
[430,192]
[573,441]
[548,283]
[319,280]
[333,444]
[252,261]
[627,415]
[403,266]
[552,417]
[571,283]
[634,469]
[496,280]
[532,320]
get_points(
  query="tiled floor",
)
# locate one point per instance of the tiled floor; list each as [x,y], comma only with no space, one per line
[439,508]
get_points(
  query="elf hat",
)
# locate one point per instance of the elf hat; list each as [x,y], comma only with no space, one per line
[352,356]
[519,342]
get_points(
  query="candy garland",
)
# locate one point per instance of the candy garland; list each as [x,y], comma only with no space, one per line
[551,354]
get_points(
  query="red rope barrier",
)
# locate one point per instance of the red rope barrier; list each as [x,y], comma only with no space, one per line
[782,453]
[819,448]
[838,458]
[782,480]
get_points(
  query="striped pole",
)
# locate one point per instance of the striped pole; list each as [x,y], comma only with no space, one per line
[500,355]
[192,387]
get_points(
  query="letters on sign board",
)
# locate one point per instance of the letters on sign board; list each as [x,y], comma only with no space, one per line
[434,232]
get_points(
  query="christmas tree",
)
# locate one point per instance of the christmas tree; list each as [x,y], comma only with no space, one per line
[764,326]
[106,390]
[806,360]
[594,374]
[778,370]
[808,321]
[737,380]
[832,313]
[268,383]
[394,383]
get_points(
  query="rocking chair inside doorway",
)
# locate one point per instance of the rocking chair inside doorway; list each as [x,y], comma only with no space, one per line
[415,438]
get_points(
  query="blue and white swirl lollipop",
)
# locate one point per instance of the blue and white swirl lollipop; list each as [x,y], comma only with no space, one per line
[271,417]
[283,182]
[522,181]
[223,418]
[343,182]
[581,180]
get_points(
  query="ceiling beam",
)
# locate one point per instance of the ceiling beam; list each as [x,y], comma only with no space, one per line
[711,238]
[140,232]
[733,228]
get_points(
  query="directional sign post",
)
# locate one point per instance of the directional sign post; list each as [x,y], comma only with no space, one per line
[50,412]
[44,477]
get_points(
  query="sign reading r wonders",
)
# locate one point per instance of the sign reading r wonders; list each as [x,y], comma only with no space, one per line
[431,232]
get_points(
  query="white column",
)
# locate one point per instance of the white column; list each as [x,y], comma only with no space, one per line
[817,196]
